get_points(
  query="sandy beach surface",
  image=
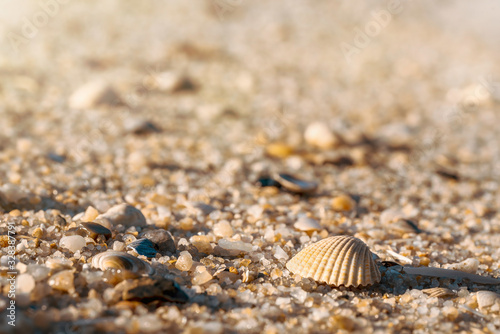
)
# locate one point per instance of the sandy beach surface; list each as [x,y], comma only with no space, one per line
[162,161]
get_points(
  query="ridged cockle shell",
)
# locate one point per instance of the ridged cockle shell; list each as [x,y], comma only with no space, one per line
[339,260]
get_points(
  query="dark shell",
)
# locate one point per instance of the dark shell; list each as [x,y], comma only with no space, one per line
[144,247]
[266,181]
[142,127]
[163,240]
[294,184]
[94,230]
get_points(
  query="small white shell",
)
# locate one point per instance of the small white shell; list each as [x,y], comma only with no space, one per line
[339,260]
[121,260]
[307,224]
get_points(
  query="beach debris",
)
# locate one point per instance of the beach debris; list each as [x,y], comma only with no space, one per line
[449,273]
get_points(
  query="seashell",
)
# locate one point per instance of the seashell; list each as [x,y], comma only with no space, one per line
[266,181]
[307,224]
[439,292]
[143,247]
[487,299]
[121,260]
[448,273]
[162,238]
[339,260]
[294,184]
[468,266]
[93,230]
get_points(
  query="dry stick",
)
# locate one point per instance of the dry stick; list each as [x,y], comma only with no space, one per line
[448,273]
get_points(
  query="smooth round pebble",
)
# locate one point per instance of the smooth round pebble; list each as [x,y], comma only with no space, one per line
[72,242]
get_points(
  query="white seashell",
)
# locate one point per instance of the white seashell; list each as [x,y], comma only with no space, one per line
[339,260]
[448,273]
[307,224]
[439,292]
[487,299]
[121,260]
[467,266]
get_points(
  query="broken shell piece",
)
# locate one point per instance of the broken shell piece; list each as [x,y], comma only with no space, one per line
[121,260]
[294,184]
[339,260]
[162,238]
[439,292]
[448,273]
[143,247]
[488,301]
[93,230]
[307,224]
[399,257]
[468,266]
